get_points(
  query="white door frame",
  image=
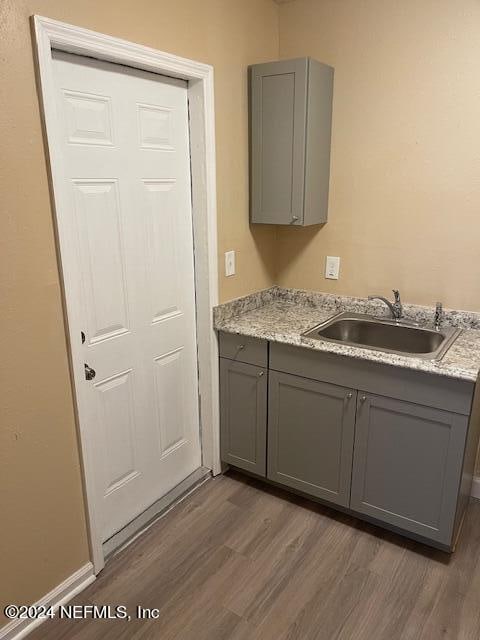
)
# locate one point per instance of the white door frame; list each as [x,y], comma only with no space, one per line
[51,34]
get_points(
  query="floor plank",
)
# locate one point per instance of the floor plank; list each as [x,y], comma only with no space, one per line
[238,560]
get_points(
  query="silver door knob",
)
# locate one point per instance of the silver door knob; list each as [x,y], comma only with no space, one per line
[89,372]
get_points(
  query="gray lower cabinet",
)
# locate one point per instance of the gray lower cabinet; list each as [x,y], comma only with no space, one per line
[310,436]
[407,465]
[243,415]
[390,445]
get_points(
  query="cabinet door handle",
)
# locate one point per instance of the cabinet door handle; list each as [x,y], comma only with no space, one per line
[240,347]
[363,398]
[349,395]
[260,374]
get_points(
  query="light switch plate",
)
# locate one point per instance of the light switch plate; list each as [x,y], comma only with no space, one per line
[230,263]
[332,267]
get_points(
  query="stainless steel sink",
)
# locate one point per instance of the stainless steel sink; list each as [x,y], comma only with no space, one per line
[361,330]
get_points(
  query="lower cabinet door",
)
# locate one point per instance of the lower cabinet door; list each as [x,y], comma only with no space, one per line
[407,465]
[310,436]
[243,415]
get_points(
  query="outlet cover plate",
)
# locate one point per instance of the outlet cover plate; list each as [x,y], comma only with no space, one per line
[230,263]
[332,267]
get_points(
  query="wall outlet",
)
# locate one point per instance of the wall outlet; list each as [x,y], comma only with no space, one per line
[230,263]
[332,267]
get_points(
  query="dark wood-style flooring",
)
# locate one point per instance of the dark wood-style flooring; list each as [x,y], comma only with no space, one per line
[240,561]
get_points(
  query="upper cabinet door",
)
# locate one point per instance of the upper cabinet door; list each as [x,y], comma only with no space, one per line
[310,436]
[290,130]
[278,112]
[407,465]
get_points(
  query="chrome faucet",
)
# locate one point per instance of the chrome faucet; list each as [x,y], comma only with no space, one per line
[438,317]
[396,308]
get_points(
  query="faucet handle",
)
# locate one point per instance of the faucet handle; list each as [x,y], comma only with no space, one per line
[438,317]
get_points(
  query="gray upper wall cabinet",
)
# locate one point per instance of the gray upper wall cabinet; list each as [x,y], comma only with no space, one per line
[290,132]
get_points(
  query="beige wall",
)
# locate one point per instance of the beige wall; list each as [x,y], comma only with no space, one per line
[405,187]
[43,534]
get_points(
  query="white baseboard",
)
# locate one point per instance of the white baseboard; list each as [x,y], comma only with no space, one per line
[475,492]
[18,629]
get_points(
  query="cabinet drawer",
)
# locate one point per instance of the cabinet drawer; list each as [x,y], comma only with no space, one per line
[243,349]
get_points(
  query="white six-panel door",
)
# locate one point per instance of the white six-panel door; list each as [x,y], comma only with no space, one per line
[126,165]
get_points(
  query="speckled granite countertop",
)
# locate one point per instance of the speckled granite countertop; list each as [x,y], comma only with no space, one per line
[282,315]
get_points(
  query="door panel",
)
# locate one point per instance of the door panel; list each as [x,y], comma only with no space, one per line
[161,219]
[103,266]
[278,106]
[155,126]
[170,401]
[407,465]
[116,401]
[126,159]
[243,419]
[88,118]
[310,436]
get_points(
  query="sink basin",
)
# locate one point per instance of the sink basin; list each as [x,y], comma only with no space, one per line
[361,330]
